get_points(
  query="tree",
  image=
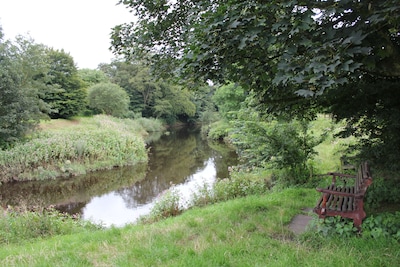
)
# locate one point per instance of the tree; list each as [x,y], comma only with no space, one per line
[70,97]
[92,77]
[317,44]
[22,72]
[298,56]
[110,99]
[150,96]
[136,82]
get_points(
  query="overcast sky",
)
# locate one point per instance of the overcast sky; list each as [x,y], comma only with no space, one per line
[80,27]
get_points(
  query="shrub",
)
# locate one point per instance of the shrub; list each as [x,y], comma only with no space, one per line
[110,99]
[276,145]
[167,206]
[382,191]
[219,130]
[239,185]
[382,225]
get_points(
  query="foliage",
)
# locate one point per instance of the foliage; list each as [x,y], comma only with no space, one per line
[150,124]
[92,77]
[70,97]
[336,226]
[20,106]
[382,191]
[228,99]
[312,43]
[219,130]
[25,226]
[149,96]
[240,184]
[383,225]
[299,57]
[109,99]
[373,119]
[99,143]
[275,144]
[166,206]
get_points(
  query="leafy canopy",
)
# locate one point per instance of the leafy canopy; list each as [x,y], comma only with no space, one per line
[297,57]
[305,47]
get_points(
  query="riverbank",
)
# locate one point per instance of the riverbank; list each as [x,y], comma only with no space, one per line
[250,231]
[64,148]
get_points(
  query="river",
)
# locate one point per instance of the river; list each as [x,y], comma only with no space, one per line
[116,197]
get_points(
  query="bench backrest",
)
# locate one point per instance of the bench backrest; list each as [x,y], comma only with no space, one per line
[363,179]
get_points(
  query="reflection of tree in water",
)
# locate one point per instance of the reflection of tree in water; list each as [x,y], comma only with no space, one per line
[69,194]
[172,160]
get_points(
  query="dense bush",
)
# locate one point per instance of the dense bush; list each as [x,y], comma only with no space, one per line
[275,144]
[109,99]
[382,191]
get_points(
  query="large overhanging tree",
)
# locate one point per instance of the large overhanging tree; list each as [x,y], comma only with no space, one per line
[294,54]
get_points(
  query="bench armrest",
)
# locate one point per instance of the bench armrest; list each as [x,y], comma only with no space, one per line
[334,192]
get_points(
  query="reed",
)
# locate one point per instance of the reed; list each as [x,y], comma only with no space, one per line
[100,142]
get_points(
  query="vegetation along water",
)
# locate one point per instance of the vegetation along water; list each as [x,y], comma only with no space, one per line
[295,87]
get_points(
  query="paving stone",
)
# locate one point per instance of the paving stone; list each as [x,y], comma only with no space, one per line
[299,223]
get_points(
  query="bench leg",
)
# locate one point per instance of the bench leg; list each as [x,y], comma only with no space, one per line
[358,218]
[357,223]
[323,205]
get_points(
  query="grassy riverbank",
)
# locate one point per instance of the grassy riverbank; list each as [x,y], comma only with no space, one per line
[246,231]
[250,231]
[69,148]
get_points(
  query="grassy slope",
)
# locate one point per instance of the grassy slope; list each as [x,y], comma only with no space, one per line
[244,232]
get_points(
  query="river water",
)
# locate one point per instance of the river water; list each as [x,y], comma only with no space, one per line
[116,197]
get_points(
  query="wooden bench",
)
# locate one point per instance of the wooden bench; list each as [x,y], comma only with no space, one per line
[345,198]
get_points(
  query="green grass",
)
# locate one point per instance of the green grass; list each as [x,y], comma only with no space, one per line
[250,231]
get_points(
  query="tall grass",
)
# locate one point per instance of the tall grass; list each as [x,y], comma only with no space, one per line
[19,226]
[94,143]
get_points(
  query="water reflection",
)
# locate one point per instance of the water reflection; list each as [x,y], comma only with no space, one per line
[121,196]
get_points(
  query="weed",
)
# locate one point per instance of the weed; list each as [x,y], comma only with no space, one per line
[335,226]
[168,205]
[384,225]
